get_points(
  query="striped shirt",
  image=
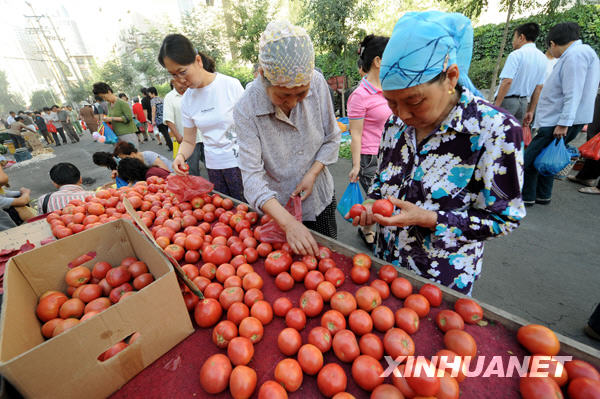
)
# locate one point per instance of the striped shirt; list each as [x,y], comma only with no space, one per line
[59,199]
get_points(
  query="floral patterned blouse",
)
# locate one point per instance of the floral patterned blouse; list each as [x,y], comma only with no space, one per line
[469,171]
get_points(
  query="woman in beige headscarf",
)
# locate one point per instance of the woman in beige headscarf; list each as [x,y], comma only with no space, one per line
[288,135]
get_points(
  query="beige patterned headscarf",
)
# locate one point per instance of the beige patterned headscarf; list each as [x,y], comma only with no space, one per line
[286,55]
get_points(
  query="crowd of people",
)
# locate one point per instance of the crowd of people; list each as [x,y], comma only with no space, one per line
[454,165]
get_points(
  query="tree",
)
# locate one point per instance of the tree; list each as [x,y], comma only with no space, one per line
[205,28]
[41,99]
[9,101]
[79,93]
[249,19]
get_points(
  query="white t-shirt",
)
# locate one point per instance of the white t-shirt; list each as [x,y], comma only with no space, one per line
[210,110]
[172,112]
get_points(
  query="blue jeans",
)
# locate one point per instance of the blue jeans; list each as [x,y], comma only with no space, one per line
[537,186]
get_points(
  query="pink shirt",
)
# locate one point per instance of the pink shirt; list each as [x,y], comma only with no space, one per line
[368,103]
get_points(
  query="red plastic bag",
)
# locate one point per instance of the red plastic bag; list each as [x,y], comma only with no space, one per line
[591,148]
[527,135]
[271,232]
[187,187]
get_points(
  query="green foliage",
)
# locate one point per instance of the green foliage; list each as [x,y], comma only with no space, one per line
[79,93]
[205,28]
[481,71]
[332,65]
[41,99]
[163,89]
[249,18]
[9,101]
[240,72]
[334,25]
[345,150]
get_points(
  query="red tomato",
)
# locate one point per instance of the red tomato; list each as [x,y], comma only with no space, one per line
[398,343]
[192,256]
[97,305]
[89,292]
[321,338]
[311,302]
[388,273]
[295,318]
[345,346]
[230,295]
[176,251]
[360,275]
[217,254]
[407,319]
[324,253]
[469,310]
[215,373]
[224,272]
[326,264]
[367,298]
[190,270]
[383,318]
[298,270]
[208,312]
[142,280]
[49,326]
[237,312]
[371,345]
[272,390]
[418,303]
[242,381]
[366,371]
[250,254]
[326,289]
[252,280]
[100,269]
[581,369]
[264,249]
[344,302]
[432,293]
[252,296]
[538,340]
[383,207]
[263,311]
[381,287]
[446,361]
[361,259]
[137,268]
[112,351]
[386,391]
[449,320]
[64,325]
[335,276]
[334,321]
[541,388]
[289,341]
[402,385]
[310,261]
[71,308]
[331,379]
[252,329]
[79,275]
[213,290]
[356,210]
[284,281]
[223,333]
[584,388]
[460,342]
[360,322]
[118,292]
[208,270]
[277,262]
[424,385]
[313,279]
[289,374]
[243,269]
[310,359]
[193,242]
[191,300]
[281,306]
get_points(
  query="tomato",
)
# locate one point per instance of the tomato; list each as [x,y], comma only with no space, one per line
[313,279]
[540,388]
[237,248]
[356,210]
[284,282]
[581,369]
[418,303]
[237,312]
[366,371]
[344,302]
[401,287]
[232,281]
[252,296]
[250,254]
[252,329]
[98,305]
[142,280]
[469,310]
[460,342]
[175,250]
[371,345]
[190,270]
[252,280]
[360,322]
[277,262]
[71,308]
[224,272]
[89,292]
[191,300]
[320,337]
[310,359]
[361,259]
[432,293]
[383,207]
[264,249]
[263,311]
[100,269]
[446,362]
[381,287]
[230,295]
[78,276]
[401,384]
[335,276]
[242,381]
[324,253]
[281,306]
[215,373]
[388,273]
[112,351]
[48,308]
[213,290]
[383,318]
[424,385]
[331,379]
[538,340]
[207,312]
[193,242]
[208,270]
[552,366]
[345,346]
[360,275]
[223,333]
[326,264]
[137,268]
[326,289]
[386,391]
[217,254]
[238,260]
[118,292]
[334,321]
[289,341]
[295,318]
[289,374]
[311,302]
[243,269]
[310,262]
[64,325]
[584,388]
[367,298]
[272,389]
[240,350]
[397,342]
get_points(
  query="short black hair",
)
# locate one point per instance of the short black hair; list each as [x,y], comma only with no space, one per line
[181,50]
[101,88]
[144,91]
[21,112]
[46,109]
[371,47]
[132,170]
[152,90]
[55,106]
[563,33]
[18,118]
[11,112]
[530,30]
[124,148]
[105,159]
[136,100]
[121,95]
[65,173]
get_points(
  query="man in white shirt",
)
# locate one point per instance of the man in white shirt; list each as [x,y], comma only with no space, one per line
[173,119]
[523,75]
[11,118]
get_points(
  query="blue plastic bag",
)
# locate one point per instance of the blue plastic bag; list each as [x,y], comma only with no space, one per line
[553,158]
[111,137]
[351,196]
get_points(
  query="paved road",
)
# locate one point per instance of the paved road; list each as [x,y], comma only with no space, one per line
[547,271]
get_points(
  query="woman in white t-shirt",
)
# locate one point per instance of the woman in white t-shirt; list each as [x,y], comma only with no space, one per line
[207,105]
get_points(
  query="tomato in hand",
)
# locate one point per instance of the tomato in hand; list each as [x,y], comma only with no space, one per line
[383,207]
[356,210]
[184,167]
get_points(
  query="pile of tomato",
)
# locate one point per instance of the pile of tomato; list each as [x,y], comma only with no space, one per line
[217,244]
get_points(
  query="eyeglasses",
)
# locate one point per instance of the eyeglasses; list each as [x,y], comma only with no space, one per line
[180,74]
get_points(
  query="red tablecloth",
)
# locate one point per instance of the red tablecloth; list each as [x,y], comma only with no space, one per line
[176,374]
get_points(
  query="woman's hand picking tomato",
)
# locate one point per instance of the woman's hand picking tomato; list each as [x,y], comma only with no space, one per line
[409,215]
[366,216]
[300,239]
[179,166]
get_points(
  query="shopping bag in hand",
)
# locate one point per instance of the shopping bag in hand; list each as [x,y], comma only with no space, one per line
[351,196]
[185,188]
[591,148]
[270,232]
[553,158]
[526,135]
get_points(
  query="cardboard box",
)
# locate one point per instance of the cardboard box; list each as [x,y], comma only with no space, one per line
[66,366]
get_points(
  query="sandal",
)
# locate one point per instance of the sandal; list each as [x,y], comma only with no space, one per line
[590,190]
[368,238]
[585,182]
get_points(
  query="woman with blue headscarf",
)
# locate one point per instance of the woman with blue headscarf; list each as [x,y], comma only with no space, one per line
[450,162]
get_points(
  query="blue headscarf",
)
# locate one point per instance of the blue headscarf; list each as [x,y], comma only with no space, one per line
[424,44]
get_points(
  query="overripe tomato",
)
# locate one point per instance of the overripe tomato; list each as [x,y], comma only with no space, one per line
[289,374]
[538,340]
[311,302]
[449,320]
[584,388]
[281,306]
[295,318]
[223,333]
[335,276]
[381,287]
[432,293]
[469,310]
[334,321]
[418,303]
[326,289]
[540,388]
[383,207]
[331,379]
[313,279]
[370,344]
[397,342]
[289,341]
[367,298]
[361,259]
[460,342]
[78,276]
[356,210]
[242,381]
[383,318]
[345,346]
[237,312]
[263,311]
[344,302]
[367,371]
[277,262]
[215,373]
[207,312]
[252,329]
[271,389]
[581,369]
[310,359]
[284,281]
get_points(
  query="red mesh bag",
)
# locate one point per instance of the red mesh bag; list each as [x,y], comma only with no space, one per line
[187,187]
[527,135]
[271,232]
[591,148]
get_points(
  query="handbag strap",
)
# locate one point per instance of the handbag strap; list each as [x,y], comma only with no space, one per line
[45,203]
